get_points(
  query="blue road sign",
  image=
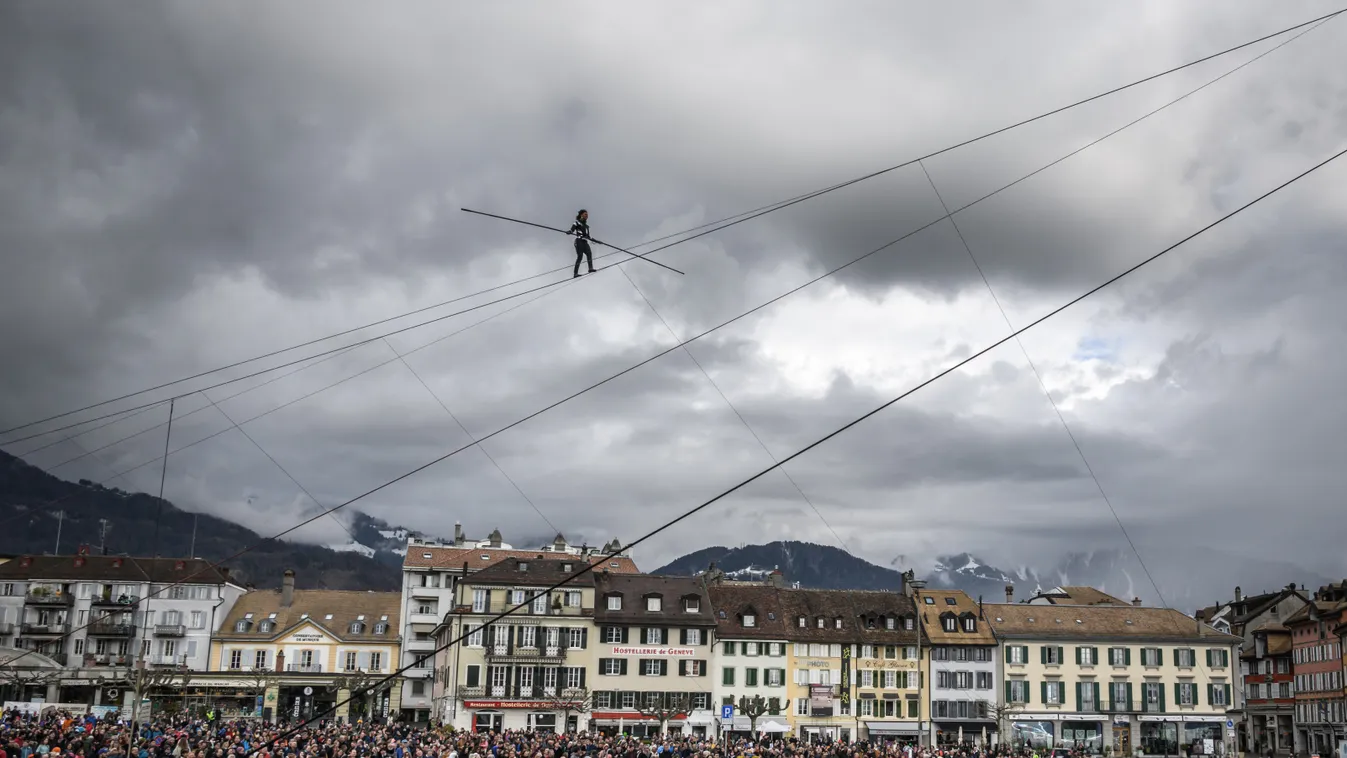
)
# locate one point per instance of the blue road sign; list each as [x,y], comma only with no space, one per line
[727,711]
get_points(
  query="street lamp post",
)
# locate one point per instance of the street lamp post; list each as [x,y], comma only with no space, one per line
[917,586]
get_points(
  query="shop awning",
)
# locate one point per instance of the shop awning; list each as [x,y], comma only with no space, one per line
[892,727]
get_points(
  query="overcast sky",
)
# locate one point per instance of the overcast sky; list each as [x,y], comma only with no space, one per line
[184,185]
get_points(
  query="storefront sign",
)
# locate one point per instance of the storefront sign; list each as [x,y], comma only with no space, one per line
[504,704]
[814,663]
[306,638]
[627,716]
[882,663]
[654,652]
[846,676]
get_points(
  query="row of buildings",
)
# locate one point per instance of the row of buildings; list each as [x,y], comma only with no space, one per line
[612,649]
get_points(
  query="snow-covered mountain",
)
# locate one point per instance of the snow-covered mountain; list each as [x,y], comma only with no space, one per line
[1188,579]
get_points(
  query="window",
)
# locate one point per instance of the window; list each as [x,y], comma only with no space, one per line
[1017,654]
[611,666]
[727,676]
[266,627]
[1220,693]
[750,677]
[774,677]
[572,598]
[236,659]
[575,638]
[889,623]
[820,622]
[198,620]
[1052,693]
[750,619]
[376,661]
[1150,656]
[750,648]
[1052,655]
[350,660]
[948,623]
[528,636]
[654,604]
[381,627]
[837,623]
[801,706]
[540,603]
[1187,693]
[1017,691]
[652,667]
[654,636]
[692,605]
[479,601]
[1119,656]
[242,625]
[694,637]
[970,624]
[357,627]
[984,680]
[1151,692]
[612,635]
[929,600]
[614,602]
[909,623]
[1085,656]
[260,659]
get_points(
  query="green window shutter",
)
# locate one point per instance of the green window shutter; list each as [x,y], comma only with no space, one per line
[1094,655]
[1008,700]
[1060,657]
[1079,685]
[1225,657]
[1178,693]
[1210,663]
[1007,653]
[1129,696]
[1095,685]
[1161,688]
[1227,695]
[1159,657]
[1042,653]
[1043,692]
[1077,658]
[1127,656]
[1211,694]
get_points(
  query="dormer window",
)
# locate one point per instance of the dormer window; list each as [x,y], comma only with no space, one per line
[888,623]
[970,623]
[614,602]
[949,623]
[870,622]
[381,628]
[837,623]
[357,628]
[909,623]
[692,605]
[750,619]
[266,626]
[523,565]
[566,568]
[724,615]
[654,604]
[242,625]
[820,622]
[800,622]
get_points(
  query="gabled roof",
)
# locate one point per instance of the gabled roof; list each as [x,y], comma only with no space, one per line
[535,573]
[313,607]
[729,601]
[477,558]
[1021,621]
[112,569]
[1329,610]
[960,604]
[635,588]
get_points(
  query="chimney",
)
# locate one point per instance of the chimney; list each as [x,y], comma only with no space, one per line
[494,539]
[1010,593]
[280,661]
[1238,595]
[776,578]
[1136,601]
[288,588]
[459,539]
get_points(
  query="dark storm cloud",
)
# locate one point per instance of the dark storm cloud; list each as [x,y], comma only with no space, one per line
[182,186]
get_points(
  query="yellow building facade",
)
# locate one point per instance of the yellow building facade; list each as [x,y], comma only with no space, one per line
[1121,677]
[290,655]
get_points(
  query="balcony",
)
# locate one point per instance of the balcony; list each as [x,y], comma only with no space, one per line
[541,656]
[469,693]
[104,601]
[105,660]
[304,668]
[111,630]
[170,630]
[38,630]
[416,617]
[49,599]
[430,593]
[414,645]
[497,606]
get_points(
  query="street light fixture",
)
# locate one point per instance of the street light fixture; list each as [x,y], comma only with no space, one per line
[918,585]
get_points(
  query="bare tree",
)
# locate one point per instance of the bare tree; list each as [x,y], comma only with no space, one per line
[665,709]
[20,678]
[357,682]
[571,700]
[1002,713]
[755,708]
